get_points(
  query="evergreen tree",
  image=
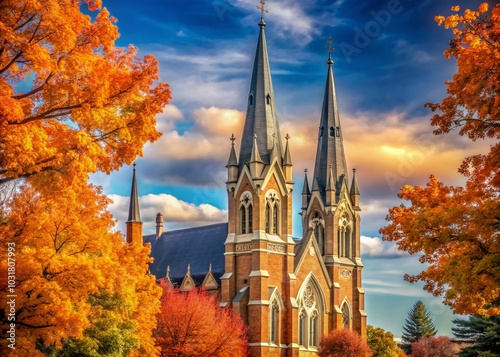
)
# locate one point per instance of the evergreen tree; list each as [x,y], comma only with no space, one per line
[418,324]
[482,332]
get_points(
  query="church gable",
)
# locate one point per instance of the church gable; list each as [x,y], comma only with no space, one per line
[308,260]
[209,283]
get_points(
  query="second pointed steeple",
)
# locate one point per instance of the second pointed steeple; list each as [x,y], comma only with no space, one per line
[330,150]
[261,118]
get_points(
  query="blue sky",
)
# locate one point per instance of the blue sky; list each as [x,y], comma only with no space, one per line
[388,63]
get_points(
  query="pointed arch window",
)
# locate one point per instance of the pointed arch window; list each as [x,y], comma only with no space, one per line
[317,223]
[344,238]
[243,217]
[268,99]
[246,213]
[272,214]
[302,327]
[250,218]
[311,309]
[332,131]
[275,218]
[346,314]
[268,218]
[313,329]
[348,243]
[274,322]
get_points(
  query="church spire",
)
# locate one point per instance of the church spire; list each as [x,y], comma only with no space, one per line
[133,209]
[134,223]
[261,118]
[330,151]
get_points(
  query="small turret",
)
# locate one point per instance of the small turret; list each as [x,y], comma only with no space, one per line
[287,161]
[256,163]
[330,188]
[306,193]
[232,164]
[354,192]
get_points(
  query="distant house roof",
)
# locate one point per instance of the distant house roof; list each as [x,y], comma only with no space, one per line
[197,247]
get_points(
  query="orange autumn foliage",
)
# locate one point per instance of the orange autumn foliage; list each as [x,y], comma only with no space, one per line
[473,101]
[345,343]
[65,252]
[193,324]
[456,229]
[70,101]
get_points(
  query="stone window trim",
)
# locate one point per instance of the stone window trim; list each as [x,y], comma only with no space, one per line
[345,237]
[276,308]
[246,213]
[272,212]
[312,307]
[346,310]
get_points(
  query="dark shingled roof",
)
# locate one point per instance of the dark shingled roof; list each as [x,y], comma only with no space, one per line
[198,246]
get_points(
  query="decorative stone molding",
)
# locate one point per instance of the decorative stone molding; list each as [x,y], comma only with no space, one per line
[275,248]
[244,247]
[346,274]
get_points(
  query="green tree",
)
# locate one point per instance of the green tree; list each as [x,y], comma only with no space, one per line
[382,343]
[109,334]
[418,324]
[482,332]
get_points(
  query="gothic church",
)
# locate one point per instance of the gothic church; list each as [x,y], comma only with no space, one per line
[289,291]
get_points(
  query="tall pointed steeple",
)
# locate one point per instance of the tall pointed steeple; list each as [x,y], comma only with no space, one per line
[261,118]
[134,214]
[330,151]
[134,223]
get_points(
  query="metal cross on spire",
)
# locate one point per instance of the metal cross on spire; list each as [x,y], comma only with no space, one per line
[330,48]
[262,8]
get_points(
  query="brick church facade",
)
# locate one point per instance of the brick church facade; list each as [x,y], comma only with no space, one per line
[289,291]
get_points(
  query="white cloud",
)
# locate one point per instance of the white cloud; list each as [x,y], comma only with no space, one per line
[208,137]
[288,17]
[375,247]
[176,213]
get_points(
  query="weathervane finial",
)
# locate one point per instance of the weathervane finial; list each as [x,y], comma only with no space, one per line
[330,48]
[262,9]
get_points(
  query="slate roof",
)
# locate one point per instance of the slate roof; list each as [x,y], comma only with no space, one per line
[261,119]
[330,150]
[198,246]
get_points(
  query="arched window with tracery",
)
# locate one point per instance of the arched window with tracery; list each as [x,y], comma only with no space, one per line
[344,237]
[246,213]
[272,214]
[346,314]
[311,309]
